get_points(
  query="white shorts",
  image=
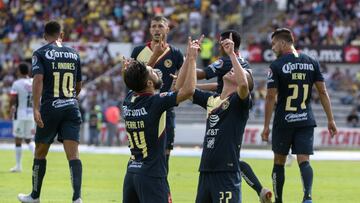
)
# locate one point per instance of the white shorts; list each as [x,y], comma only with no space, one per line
[23,128]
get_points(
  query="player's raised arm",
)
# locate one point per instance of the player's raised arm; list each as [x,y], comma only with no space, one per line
[187,74]
[240,73]
[158,50]
[325,102]
[182,74]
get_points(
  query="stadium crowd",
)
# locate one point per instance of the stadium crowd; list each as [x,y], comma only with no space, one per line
[21,23]
[318,22]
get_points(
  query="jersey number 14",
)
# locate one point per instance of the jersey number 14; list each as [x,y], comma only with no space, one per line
[137,139]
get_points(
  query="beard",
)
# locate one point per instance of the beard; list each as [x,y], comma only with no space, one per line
[158,84]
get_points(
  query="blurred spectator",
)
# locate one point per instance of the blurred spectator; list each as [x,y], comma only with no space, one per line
[112,116]
[352,119]
[95,122]
[206,51]
[336,78]
[259,97]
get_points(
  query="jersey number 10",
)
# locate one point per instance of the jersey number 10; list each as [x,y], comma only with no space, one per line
[295,95]
[67,84]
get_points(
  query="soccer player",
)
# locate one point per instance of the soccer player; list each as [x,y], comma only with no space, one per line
[291,77]
[167,60]
[21,108]
[218,69]
[219,178]
[145,118]
[57,80]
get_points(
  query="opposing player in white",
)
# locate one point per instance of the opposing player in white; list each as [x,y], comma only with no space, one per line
[21,109]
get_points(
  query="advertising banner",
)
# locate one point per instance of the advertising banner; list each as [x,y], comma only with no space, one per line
[5,129]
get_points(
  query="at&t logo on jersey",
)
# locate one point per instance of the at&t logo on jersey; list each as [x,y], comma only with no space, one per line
[52,55]
[213,120]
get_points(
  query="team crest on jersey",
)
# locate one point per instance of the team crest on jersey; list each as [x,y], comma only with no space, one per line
[213,120]
[34,60]
[168,63]
[216,65]
[163,94]
[269,76]
[35,67]
[225,105]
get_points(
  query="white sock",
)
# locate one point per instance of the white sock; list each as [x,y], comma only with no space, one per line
[32,147]
[18,153]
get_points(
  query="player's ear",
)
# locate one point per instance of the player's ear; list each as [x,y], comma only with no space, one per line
[45,36]
[150,83]
[61,36]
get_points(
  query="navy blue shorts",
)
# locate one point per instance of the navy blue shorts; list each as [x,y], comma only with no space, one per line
[300,139]
[65,123]
[170,129]
[223,187]
[140,188]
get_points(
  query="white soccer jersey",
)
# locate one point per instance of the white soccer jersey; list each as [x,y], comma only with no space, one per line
[23,89]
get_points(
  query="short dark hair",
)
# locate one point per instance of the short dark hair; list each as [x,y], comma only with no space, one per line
[52,28]
[235,35]
[160,18]
[136,76]
[23,68]
[283,34]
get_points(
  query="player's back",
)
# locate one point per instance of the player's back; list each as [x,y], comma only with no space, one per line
[145,118]
[60,66]
[294,76]
[22,88]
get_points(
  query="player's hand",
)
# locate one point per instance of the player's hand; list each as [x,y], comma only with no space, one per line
[38,119]
[265,134]
[332,128]
[199,41]
[228,45]
[125,62]
[174,77]
[159,47]
[193,48]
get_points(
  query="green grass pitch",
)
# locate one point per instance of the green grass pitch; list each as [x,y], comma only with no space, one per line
[334,182]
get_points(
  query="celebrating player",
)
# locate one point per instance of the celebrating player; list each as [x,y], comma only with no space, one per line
[219,178]
[167,60]
[145,120]
[218,69]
